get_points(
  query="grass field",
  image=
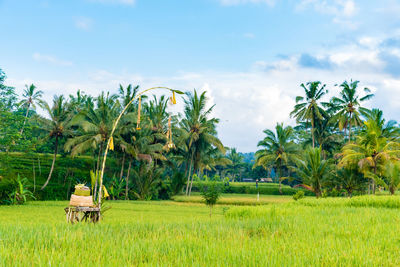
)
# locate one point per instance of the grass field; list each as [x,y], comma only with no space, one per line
[237,199]
[182,234]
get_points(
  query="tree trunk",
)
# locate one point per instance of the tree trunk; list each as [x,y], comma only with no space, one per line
[127,180]
[122,167]
[191,184]
[40,168]
[312,133]
[373,181]
[52,164]
[210,210]
[392,190]
[34,176]
[350,129]
[26,116]
[279,179]
[189,173]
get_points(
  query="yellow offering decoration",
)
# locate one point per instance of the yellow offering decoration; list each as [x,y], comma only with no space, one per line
[111,143]
[173,99]
[105,192]
[139,108]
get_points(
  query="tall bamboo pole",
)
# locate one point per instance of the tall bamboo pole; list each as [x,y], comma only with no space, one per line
[113,130]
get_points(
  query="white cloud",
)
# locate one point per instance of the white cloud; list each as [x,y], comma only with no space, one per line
[239,2]
[122,2]
[50,59]
[345,8]
[83,23]
[343,11]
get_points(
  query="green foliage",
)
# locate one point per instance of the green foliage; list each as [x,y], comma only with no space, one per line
[250,188]
[177,182]
[314,172]
[298,195]
[20,193]
[211,192]
[116,187]
[145,181]
[278,150]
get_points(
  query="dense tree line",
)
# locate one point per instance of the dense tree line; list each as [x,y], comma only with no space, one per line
[337,146]
[154,148]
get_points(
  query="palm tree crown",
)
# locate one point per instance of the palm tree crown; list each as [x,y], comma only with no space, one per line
[308,108]
[348,105]
[31,97]
[278,149]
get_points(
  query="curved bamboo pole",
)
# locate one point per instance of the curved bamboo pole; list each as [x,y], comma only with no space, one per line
[112,132]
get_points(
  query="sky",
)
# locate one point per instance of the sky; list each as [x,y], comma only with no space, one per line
[250,56]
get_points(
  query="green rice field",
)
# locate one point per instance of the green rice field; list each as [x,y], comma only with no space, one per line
[166,233]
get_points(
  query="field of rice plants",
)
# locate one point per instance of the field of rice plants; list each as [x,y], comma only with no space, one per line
[238,199]
[166,233]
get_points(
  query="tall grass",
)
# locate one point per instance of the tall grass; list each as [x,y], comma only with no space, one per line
[358,201]
[237,199]
[182,234]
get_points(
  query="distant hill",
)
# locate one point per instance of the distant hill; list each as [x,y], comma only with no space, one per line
[248,157]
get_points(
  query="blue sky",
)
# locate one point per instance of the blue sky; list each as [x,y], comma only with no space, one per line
[250,55]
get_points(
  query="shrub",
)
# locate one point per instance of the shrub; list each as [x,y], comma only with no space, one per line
[211,193]
[298,195]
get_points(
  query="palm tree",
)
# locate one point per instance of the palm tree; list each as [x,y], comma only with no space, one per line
[126,95]
[391,176]
[57,126]
[313,171]
[156,110]
[348,106]
[198,132]
[349,178]
[390,129]
[236,167]
[370,152]
[278,150]
[308,108]
[211,158]
[31,98]
[95,124]
[79,102]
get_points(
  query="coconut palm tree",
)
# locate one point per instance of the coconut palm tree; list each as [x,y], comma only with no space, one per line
[95,124]
[198,131]
[348,107]
[126,95]
[308,108]
[390,178]
[314,172]
[390,129]
[79,102]
[349,178]
[31,97]
[156,110]
[237,165]
[278,150]
[370,152]
[58,126]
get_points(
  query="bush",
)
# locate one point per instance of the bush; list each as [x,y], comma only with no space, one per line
[211,193]
[298,195]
